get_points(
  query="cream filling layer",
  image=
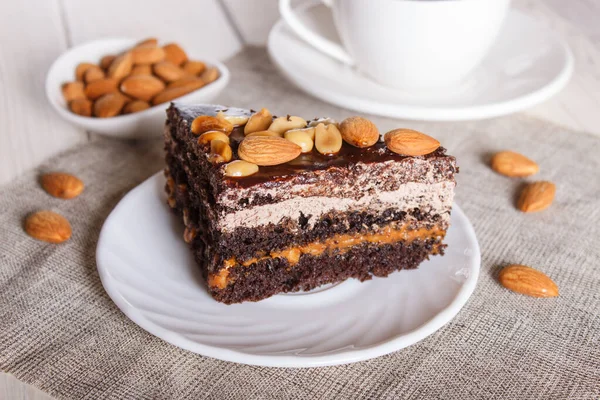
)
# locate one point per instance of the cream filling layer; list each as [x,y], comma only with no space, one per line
[434,198]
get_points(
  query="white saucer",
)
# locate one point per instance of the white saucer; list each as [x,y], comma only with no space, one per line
[527,65]
[148,271]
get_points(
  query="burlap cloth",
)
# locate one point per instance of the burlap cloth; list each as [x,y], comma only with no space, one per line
[60,332]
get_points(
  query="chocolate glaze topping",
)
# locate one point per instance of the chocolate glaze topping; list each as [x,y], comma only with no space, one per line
[305,163]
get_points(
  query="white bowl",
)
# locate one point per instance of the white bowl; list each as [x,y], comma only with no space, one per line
[144,124]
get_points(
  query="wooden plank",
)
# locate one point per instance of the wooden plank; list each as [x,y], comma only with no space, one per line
[253,18]
[576,106]
[201,25]
[30,131]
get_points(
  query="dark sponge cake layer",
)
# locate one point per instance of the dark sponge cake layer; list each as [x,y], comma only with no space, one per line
[268,277]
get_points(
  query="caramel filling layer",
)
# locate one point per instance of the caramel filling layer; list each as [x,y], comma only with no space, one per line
[336,244]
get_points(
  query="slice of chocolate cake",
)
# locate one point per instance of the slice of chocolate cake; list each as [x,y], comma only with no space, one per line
[277,205]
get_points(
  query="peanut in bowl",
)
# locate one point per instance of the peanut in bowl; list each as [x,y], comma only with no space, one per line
[145,123]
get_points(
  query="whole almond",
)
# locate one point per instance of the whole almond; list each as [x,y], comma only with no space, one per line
[72,91]
[210,75]
[175,54]
[259,121]
[142,69]
[265,133]
[109,105]
[205,123]
[328,139]
[148,41]
[147,54]
[101,87]
[536,196]
[61,185]
[121,66]
[410,143]
[528,281]
[240,169]
[81,107]
[80,70]
[48,226]
[142,87]
[135,106]
[93,74]
[267,150]
[173,93]
[193,67]
[220,152]
[359,132]
[513,164]
[106,61]
[168,71]
[185,81]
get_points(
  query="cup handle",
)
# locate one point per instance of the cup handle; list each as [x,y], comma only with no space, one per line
[317,41]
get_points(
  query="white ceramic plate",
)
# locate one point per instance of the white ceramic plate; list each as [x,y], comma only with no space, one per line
[144,124]
[527,65]
[150,274]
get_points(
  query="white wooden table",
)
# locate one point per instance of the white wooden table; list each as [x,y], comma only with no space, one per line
[35,32]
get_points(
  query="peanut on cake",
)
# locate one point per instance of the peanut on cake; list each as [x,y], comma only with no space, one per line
[281,204]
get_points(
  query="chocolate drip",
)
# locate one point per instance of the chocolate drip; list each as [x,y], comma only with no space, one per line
[313,161]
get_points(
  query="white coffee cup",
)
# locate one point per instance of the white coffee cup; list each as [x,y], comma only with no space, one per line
[408,43]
